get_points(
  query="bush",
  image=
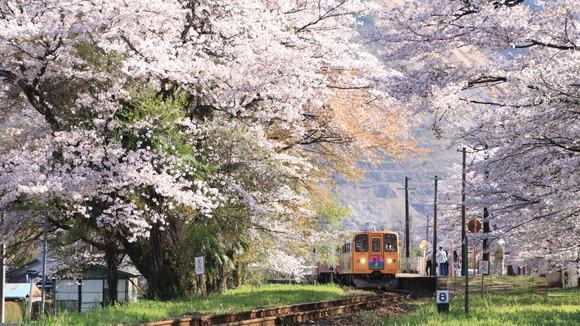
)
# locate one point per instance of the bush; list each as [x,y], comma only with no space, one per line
[14,312]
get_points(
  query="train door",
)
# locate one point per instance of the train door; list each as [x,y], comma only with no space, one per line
[376,256]
[360,256]
[391,253]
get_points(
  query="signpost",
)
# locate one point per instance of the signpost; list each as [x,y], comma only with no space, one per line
[483,267]
[200,270]
[199,266]
[474,226]
[442,300]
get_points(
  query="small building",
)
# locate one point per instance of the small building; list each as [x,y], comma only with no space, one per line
[91,291]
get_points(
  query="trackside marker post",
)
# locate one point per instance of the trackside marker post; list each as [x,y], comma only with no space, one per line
[442,300]
[200,270]
[483,270]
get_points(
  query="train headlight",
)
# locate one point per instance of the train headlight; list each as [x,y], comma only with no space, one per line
[389,260]
[363,260]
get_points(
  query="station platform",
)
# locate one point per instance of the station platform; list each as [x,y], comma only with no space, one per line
[409,275]
[421,285]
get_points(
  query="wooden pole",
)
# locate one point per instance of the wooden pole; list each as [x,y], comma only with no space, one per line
[451,259]
[474,261]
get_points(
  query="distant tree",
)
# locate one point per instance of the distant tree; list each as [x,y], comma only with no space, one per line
[500,77]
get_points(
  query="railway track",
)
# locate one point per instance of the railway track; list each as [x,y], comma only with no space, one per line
[288,315]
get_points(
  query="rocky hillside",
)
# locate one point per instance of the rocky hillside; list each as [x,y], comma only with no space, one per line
[378,200]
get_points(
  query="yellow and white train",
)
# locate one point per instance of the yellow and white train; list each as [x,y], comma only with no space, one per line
[368,259]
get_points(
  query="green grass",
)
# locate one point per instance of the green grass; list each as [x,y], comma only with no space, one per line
[14,312]
[497,306]
[561,307]
[239,299]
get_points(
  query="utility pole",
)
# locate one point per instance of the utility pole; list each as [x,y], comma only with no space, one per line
[407,219]
[427,229]
[407,223]
[434,227]
[44,261]
[485,234]
[463,217]
[464,240]
[485,220]
[2,275]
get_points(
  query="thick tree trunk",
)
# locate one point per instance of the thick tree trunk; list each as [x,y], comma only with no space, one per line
[153,259]
[223,280]
[154,262]
[112,257]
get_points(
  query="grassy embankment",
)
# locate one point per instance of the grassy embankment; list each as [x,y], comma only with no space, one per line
[503,300]
[240,299]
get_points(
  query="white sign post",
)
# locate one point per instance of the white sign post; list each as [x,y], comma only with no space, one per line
[483,270]
[483,267]
[200,270]
[442,300]
[199,266]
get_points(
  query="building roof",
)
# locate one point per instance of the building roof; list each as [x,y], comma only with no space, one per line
[97,271]
[30,266]
[20,290]
[33,269]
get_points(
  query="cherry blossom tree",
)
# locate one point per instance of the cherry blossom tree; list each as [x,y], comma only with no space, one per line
[500,77]
[139,122]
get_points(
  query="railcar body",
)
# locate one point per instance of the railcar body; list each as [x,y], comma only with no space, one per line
[368,259]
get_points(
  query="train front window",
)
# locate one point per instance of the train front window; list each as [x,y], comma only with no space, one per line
[391,242]
[361,243]
[376,244]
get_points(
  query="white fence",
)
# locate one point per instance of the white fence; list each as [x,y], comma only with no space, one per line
[415,265]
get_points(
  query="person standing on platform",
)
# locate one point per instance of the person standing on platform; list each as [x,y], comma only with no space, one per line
[498,255]
[429,265]
[442,262]
[456,263]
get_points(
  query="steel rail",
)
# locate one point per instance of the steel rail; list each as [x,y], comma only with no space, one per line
[288,315]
